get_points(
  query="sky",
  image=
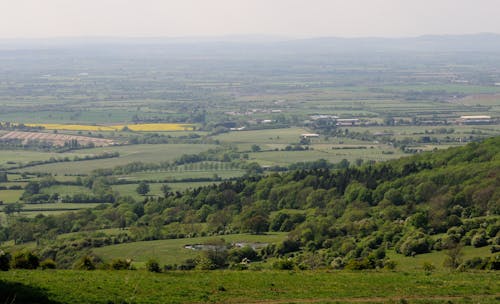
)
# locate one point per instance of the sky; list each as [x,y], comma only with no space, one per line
[286,18]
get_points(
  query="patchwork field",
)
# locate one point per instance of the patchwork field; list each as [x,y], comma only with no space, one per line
[128,154]
[55,139]
[133,127]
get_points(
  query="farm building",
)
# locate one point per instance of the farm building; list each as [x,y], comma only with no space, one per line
[348,122]
[476,119]
[309,135]
[323,117]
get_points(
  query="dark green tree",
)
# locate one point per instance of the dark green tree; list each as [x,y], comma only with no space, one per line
[142,188]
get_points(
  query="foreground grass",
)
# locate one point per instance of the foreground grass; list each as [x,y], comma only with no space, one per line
[68,286]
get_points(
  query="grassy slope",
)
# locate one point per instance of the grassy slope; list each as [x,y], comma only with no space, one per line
[254,287]
[173,251]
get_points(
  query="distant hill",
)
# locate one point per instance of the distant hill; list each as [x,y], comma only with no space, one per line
[484,42]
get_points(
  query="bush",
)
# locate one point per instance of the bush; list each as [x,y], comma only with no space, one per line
[479,239]
[428,267]
[188,264]
[4,260]
[365,263]
[238,266]
[416,245]
[86,262]
[390,265]
[245,253]
[48,264]
[120,264]
[284,264]
[25,260]
[153,266]
[474,263]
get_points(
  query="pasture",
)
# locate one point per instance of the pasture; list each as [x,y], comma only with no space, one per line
[70,286]
[436,258]
[173,251]
[133,153]
[10,196]
[285,158]
[179,175]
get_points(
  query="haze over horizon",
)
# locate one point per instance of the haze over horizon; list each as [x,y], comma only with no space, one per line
[281,18]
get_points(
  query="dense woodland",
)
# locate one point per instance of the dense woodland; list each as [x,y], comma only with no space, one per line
[339,218]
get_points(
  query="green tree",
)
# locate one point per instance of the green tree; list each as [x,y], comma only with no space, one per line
[25,260]
[142,188]
[4,260]
[453,256]
[255,148]
[257,224]
[165,189]
[153,266]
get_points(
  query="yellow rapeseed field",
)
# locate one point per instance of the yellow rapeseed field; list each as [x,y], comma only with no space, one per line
[153,127]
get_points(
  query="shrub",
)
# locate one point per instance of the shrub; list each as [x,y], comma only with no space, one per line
[474,263]
[4,260]
[284,264]
[390,265]
[428,267]
[287,246]
[239,254]
[188,264]
[479,239]
[238,266]
[48,264]
[25,260]
[453,257]
[416,245]
[121,264]
[153,266]
[494,263]
[86,262]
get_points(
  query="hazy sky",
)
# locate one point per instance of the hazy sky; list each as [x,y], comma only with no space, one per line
[295,18]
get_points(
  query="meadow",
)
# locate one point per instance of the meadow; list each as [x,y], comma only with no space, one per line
[131,153]
[70,286]
[172,251]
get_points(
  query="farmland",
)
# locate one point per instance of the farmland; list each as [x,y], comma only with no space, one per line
[157,127]
[56,139]
[128,154]
[351,175]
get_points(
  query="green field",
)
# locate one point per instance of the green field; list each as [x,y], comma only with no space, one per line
[128,154]
[173,251]
[69,286]
[178,175]
[66,190]
[435,258]
[16,157]
[10,196]
[276,136]
[155,189]
[333,155]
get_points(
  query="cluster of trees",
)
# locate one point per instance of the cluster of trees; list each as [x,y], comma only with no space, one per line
[99,186]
